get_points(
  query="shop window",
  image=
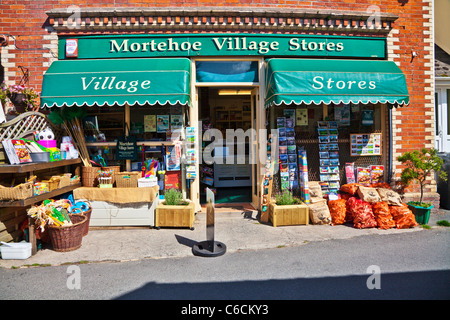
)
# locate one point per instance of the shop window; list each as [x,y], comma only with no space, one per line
[227,71]
[351,119]
[104,125]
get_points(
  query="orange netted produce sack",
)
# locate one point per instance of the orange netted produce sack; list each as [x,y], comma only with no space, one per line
[383,215]
[350,188]
[381,185]
[337,211]
[362,215]
[403,217]
[345,196]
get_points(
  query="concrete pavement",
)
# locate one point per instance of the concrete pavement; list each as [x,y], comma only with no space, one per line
[238,229]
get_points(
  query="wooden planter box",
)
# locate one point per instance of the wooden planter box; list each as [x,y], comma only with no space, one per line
[175,216]
[288,215]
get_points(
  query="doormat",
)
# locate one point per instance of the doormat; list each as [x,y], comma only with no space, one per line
[231,195]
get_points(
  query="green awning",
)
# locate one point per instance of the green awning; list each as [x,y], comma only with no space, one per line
[334,81]
[116,82]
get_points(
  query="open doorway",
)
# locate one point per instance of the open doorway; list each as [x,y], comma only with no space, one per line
[230,176]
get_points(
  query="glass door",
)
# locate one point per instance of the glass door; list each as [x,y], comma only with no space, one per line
[442,115]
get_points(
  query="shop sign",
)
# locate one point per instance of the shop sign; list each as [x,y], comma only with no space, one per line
[126,148]
[192,45]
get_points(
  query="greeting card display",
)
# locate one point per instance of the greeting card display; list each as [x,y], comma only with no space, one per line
[328,156]
[191,155]
[287,151]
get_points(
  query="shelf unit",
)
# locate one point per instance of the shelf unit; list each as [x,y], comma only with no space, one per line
[232,118]
[106,122]
[30,168]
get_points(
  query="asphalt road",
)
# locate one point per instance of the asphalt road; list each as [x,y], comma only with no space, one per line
[412,265]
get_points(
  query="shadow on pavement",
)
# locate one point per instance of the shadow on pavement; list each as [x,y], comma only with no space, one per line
[426,285]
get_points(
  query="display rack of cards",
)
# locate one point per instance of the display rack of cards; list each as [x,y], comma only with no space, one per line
[287,153]
[328,156]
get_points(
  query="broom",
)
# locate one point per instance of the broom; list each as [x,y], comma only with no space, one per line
[69,119]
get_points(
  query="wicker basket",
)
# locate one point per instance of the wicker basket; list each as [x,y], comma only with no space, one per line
[87,214]
[68,238]
[53,183]
[89,176]
[127,179]
[115,170]
[75,180]
[64,180]
[19,192]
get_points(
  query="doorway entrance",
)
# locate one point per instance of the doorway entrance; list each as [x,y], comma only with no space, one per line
[226,116]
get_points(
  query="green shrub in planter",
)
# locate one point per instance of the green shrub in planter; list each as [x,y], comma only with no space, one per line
[285,199]
[173,197]
[419,166]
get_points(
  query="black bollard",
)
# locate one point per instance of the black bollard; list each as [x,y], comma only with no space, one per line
[210,247]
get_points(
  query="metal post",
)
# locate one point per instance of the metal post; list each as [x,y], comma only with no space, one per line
[210,247]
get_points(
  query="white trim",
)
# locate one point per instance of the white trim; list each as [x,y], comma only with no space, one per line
[113,104]
[267,105]
[442,82]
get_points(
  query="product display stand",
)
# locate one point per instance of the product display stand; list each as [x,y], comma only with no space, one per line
[329,157]
[267,181]
[303,175]
[287,153]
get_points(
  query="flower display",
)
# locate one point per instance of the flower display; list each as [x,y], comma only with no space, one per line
[20,96]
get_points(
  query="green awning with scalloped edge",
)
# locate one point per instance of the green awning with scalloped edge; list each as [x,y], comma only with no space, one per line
[117,82]
[315,81]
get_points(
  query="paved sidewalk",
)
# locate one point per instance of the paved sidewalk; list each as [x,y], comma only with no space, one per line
[238,230]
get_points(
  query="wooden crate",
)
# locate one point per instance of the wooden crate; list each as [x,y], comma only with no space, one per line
[289,215]
[175,216]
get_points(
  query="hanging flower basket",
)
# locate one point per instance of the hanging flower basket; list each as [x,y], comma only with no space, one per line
[19,102]
[23,98]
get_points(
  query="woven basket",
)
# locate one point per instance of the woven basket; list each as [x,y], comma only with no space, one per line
[89,176]
[19,192]
[68,238]
[87,214]
[115,169]
[53,184]
[75,180]
[127,179]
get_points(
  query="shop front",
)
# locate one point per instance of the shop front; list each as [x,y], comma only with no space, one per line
[221,95]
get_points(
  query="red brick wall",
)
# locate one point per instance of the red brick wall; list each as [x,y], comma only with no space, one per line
[413,125]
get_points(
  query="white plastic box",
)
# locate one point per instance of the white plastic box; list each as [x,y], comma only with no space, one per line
[17,250]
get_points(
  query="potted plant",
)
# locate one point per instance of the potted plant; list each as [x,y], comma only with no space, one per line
[419,165]
[174,211]
[23,98]
[288,210]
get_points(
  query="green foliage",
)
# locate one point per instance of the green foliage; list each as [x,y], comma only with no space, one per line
[419,165]
[420,204]
[30,96]
[443,223]
[285,198]
[174,197]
